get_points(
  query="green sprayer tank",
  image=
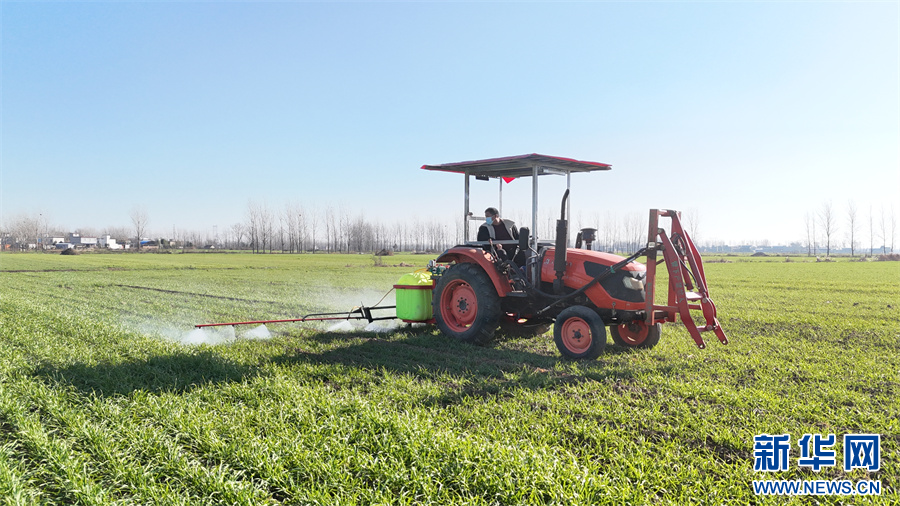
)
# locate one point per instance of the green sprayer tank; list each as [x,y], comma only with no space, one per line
[414,297]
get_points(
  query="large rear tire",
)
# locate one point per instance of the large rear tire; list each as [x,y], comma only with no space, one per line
[465,304]
[579,333]
[636,334]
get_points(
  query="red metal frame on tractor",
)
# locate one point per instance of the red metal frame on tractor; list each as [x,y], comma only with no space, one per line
[688,290]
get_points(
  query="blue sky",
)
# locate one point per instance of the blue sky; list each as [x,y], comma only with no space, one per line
[752,114]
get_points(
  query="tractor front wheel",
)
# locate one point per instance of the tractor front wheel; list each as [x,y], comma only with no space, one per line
[579,333]
[636,334]
[465,304]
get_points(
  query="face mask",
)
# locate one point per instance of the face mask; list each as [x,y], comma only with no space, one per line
[489,220]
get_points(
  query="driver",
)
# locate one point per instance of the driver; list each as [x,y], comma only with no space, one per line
[497,229]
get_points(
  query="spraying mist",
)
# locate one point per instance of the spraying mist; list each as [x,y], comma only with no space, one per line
[329,299]
[205,335]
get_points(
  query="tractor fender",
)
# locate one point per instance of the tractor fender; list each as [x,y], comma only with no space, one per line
[482,259]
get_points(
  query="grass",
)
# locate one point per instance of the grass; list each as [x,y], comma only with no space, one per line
[98,407]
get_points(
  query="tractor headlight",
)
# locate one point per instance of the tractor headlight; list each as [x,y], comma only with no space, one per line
[634,280]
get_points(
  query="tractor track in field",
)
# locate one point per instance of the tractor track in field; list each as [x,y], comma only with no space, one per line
[46,270]
[177,292]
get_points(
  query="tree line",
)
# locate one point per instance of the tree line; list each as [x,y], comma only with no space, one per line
[295,228]
[825,226]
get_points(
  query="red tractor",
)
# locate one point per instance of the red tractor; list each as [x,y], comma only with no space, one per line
[480,288]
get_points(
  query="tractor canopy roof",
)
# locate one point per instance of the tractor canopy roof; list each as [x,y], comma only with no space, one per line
[518,166]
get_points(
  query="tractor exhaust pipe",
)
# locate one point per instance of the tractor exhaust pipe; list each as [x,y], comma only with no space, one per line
[559,257]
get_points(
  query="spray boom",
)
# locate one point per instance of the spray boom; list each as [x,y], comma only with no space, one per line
[357,313]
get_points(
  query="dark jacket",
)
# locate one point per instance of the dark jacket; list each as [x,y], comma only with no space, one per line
[505,230]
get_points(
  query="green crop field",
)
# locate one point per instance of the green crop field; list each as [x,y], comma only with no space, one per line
[101,403]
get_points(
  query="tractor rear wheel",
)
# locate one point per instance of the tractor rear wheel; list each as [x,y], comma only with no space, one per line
[465,304]
[579,333]
[636,334]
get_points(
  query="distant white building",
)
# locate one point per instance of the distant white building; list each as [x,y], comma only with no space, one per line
[82,242]
[109,243]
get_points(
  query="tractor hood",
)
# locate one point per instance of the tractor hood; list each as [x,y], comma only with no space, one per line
[582,266]
[583,256]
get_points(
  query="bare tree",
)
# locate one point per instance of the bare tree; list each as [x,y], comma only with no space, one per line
[25,231]
[810,234]
[358,232]
[883,232]
[635,232]
[260,227]
[313,216]
[430,233]
[139,221]
[814,238]
[302,228]
[330,229]
[414,235]
[692,223]
[893,227]
[852,223]
[871,231]
[43,225]
[345,221]
[400,235]
[288,221]
[610,232]
[5,236]
[829,225]
[253,225]
[268,229]
[238,231]
[295,225]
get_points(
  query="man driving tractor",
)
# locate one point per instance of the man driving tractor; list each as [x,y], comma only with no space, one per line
[496,229]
